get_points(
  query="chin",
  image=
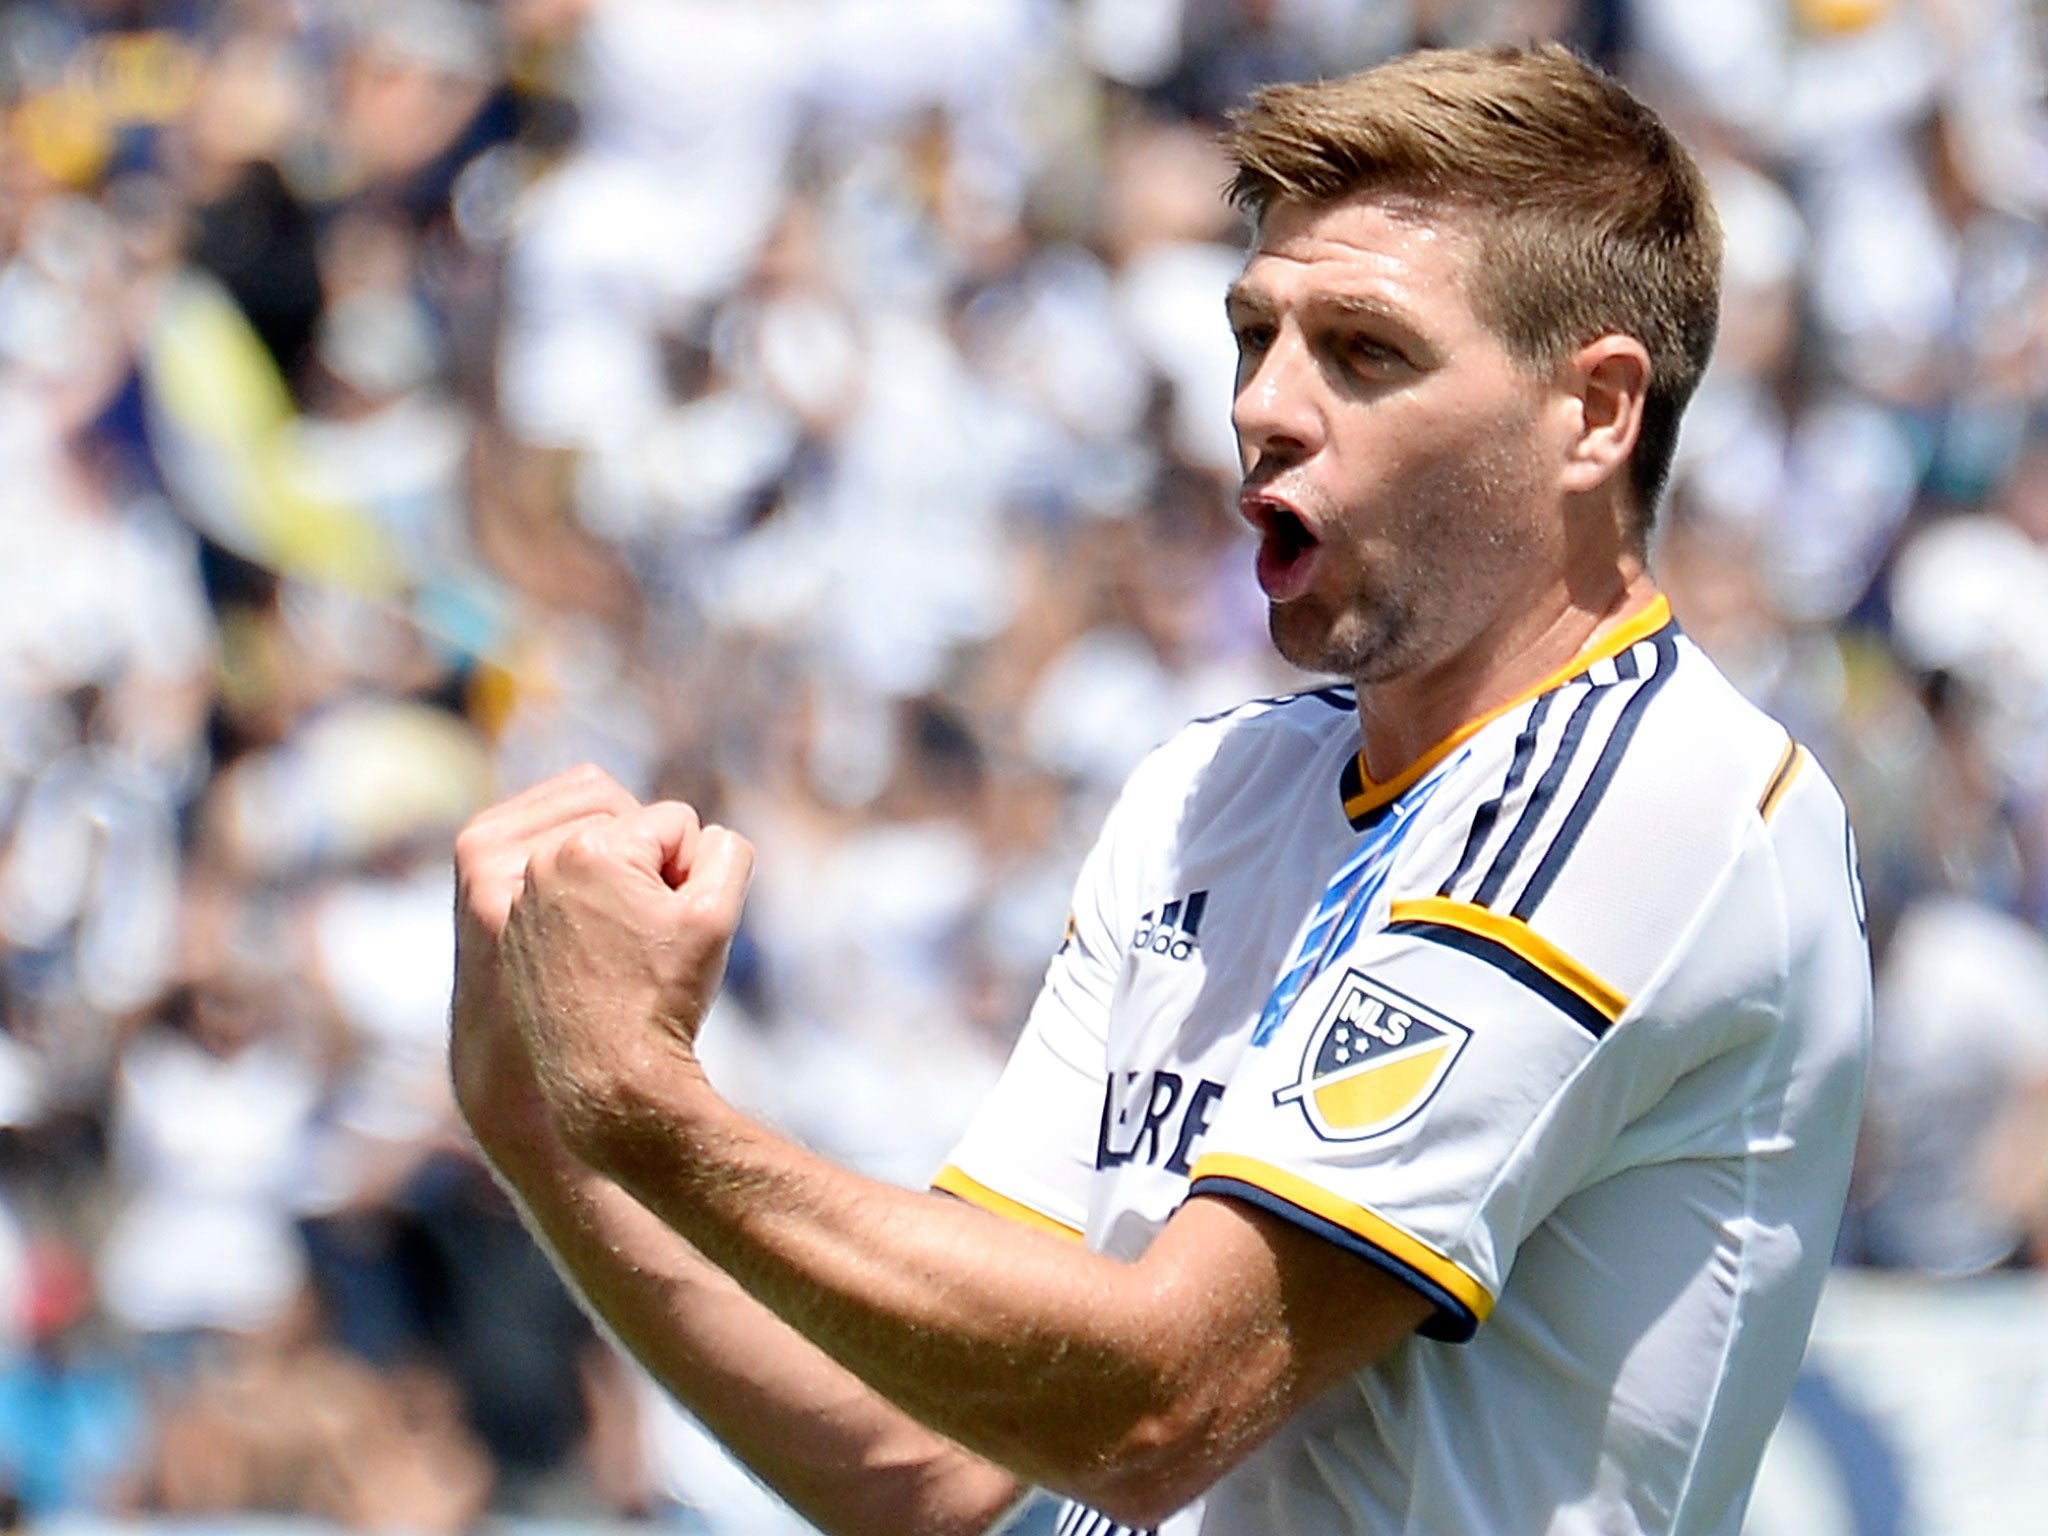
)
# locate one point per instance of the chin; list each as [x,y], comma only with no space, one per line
[1365,646]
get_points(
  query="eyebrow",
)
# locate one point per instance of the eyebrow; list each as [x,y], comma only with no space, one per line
[1244,304]
[1362,307]
[1241,299]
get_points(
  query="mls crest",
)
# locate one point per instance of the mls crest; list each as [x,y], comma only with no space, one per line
[1373,1059]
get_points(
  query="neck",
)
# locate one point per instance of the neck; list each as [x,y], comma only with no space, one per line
[1404,717]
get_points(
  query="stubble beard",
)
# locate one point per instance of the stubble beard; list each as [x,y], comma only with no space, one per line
[1401,613]
[1365,643]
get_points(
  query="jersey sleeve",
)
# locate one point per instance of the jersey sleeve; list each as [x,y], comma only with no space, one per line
[1425,1101]
[1029,1152]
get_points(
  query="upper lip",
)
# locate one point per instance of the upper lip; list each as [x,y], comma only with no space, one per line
[1257,505]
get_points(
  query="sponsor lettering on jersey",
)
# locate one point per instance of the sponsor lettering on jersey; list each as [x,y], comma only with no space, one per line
[1173,930]
[1158,1123]
[1373,1059]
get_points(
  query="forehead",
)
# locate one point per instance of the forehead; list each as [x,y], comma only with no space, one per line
[1388,250]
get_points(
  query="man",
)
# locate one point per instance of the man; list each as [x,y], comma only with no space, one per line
[1452,1077]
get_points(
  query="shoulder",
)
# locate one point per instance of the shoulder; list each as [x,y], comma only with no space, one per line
[1624,802]
[1305,719]
[1261,739]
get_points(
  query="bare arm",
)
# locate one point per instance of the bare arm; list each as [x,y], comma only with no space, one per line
[848,1460]
[1132,1386]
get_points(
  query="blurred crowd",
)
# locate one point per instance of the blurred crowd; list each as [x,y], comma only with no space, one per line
[818,410]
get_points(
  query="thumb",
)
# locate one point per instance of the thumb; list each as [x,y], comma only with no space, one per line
[717,879]
[664,838]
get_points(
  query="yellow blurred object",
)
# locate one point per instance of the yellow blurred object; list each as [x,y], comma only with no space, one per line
[389,772]
[65,135]
[119,80]
[493,696]
[223,418]
[139,77]
[357,782]
[1832,18]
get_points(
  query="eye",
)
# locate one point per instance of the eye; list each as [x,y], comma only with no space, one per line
[1253,338]
[1370,354]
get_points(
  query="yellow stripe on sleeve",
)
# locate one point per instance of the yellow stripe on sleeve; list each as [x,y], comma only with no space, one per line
[950,1180]
[1375,1229]
[1516,936]
[1789,764]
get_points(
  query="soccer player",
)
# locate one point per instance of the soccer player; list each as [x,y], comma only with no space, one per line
[1438,1116]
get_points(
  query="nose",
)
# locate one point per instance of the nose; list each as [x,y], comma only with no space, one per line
[1276,414]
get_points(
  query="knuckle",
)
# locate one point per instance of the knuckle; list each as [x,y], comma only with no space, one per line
[589,776]
[710,912]
[521,881]
[471,845]
[585,845]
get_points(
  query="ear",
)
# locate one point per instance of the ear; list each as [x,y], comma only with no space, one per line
[1609,378]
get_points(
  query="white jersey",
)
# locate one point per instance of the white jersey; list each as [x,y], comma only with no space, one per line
[1566,1028]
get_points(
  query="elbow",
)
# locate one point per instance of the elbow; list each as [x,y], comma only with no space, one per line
[1188,1423]
[1157,1467]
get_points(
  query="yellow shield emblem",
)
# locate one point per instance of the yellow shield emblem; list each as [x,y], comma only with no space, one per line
[1374,1058]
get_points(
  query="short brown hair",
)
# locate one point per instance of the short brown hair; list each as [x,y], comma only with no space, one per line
[1594,219]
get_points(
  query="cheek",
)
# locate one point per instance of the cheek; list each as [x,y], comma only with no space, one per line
[1429,484]
[1437,466]
[1462,522]
[1484,452]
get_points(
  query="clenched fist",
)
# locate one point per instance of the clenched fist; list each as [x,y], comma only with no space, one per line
[614,949]
[591,935]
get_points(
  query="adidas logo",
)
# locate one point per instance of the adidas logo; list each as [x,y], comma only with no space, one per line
[1173,930]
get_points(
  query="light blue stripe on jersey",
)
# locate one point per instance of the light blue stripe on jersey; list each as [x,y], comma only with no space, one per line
[1347,899]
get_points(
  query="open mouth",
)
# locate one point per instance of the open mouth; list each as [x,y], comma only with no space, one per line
[1286,547]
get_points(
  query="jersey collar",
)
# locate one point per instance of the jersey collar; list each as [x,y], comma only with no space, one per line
[1363,795]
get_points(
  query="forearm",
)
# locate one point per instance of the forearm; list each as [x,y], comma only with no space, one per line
[842,1455]
[1079,1372]
[849,1461]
